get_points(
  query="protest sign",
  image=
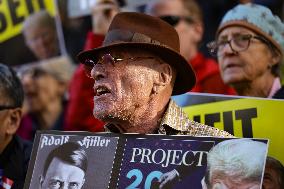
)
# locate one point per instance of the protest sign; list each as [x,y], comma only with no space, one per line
[42,37]
[140,161]
[241,116]
[100,152]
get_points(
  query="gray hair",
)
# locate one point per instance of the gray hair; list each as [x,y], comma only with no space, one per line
[39,19]
[239,159]
[10,87]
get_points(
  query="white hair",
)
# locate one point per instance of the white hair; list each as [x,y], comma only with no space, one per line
[39,19]
[239,159]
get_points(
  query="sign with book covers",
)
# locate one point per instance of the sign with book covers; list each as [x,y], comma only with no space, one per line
[241,116]
[30,31]
[84,160]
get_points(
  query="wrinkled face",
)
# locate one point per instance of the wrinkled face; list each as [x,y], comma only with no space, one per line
[3,126]
[123,88]
[41,89]
[271,179]
[227,183]
[187,34]
[245,66]
[10,117]
[42,41]
[61,175]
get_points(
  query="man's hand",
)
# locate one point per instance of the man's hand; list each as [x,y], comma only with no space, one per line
[168,178]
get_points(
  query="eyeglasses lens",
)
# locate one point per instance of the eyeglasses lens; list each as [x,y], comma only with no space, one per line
[237,44]
[106,58]
[172,20]
[89,63]
[88,66]
[240,43]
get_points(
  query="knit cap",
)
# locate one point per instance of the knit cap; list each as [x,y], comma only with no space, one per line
[258,19]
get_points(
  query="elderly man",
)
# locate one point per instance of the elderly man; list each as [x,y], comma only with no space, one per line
[40,35]
[14,152]
[236,163]
[136,71]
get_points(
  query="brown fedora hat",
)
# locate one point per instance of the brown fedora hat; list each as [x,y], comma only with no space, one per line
[137,30]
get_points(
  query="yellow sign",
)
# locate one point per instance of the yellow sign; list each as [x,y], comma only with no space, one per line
[14,12]
[244,117]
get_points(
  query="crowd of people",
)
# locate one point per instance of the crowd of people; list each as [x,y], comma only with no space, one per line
[131,65]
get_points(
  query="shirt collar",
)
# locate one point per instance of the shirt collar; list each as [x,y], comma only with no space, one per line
[174,119]
[275,87]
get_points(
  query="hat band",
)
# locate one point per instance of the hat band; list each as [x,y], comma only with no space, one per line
[124,36]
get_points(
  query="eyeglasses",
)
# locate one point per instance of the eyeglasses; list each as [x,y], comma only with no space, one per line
[89,63]
[237,44]
[174,20]
[3,107]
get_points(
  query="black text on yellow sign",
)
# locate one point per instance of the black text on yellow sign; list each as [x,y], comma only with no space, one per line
[14,12]
[247,117]
[244,115]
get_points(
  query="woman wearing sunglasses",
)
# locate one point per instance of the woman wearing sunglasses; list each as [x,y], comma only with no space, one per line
[186,17]
[249,46]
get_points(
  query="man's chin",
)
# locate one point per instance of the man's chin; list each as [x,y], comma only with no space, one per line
[103,116]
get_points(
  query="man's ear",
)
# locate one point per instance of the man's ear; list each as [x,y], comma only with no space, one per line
[164,77]
[15,116]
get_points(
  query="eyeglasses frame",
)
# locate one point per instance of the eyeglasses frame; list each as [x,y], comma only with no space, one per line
[214,50]
[88,67]
[179,18]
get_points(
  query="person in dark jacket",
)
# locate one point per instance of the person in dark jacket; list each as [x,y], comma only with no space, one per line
[14,151]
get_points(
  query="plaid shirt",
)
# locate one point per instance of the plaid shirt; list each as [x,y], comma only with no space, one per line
[176,122]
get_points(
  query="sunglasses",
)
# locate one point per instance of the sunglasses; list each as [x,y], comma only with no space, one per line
[174,20]
[2,107]
[90,63]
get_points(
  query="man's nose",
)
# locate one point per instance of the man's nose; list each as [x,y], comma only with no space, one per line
[64,186]
[98,72]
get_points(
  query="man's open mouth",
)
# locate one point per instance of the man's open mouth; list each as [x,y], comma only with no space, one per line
[101,90]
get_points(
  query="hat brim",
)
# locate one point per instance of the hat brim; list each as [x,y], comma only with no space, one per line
[185,78]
